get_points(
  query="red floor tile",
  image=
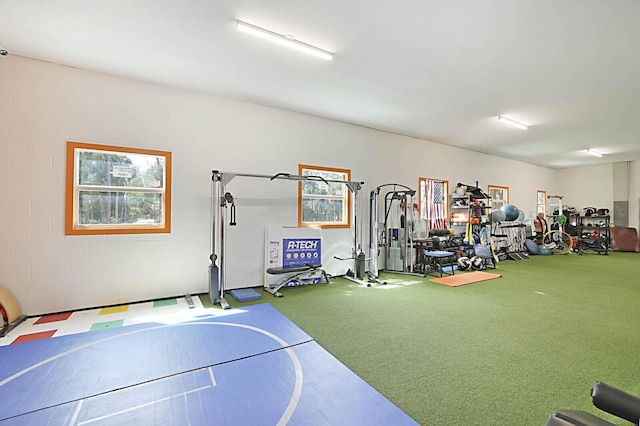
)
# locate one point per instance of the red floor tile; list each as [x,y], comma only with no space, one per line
[53,318]
[34,336]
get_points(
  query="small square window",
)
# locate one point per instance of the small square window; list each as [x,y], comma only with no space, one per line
[322,203]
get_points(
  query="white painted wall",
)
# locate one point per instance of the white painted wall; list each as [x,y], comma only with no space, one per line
[634,197]
[43,105]
[588,187]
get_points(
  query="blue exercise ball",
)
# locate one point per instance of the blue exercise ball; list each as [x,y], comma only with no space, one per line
[544,250]
[520,215]
[498,216]
[510,211]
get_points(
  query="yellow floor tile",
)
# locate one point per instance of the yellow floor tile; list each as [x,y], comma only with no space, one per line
[114,310]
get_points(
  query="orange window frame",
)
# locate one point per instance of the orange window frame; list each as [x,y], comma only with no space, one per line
[541,202]
[497,189]
[346,197]
[72,227]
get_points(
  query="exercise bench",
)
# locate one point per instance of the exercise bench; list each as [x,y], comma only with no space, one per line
[605,397]
[435,262]
[294,273]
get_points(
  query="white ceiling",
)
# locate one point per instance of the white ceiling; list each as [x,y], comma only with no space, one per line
[440,70]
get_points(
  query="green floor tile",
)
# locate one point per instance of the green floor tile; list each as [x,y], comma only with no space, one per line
[164,302]
[107,324]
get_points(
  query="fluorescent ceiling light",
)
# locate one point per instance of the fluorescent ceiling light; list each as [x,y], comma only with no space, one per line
[594,153]
[517,124]
[284,40]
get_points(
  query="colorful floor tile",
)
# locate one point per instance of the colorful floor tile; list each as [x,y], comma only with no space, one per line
[34,336]
[53,318]
[166,311]
[165,302]
[114,309]
[106,324]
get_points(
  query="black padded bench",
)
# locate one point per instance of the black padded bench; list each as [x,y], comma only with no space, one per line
[294,273]
[607,398]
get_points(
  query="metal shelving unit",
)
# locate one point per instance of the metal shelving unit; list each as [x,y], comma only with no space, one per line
[593,234]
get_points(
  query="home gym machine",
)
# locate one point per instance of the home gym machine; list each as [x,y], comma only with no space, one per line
[391,248]
[221,199]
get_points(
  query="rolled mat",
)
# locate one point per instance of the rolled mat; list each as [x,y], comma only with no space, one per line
[10,304]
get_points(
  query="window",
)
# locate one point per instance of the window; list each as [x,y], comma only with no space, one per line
[324,204]
[542,202]
[433,202]
[117,190]
[499,196]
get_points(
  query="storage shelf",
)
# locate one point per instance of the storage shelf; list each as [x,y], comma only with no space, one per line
[589,225]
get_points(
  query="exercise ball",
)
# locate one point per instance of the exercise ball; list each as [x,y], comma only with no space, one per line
[510,211]
[498,216]
[520,215]
[543,250]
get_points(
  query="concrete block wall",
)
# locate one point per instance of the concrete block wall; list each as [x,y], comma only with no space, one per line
[44,105]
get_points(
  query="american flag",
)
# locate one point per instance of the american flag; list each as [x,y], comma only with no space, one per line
[435,204]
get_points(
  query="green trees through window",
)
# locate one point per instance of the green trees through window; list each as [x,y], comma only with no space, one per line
[117,190]
[321,203]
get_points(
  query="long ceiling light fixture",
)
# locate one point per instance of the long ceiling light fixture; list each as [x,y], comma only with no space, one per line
[515,123]
[594,153]
[284,40]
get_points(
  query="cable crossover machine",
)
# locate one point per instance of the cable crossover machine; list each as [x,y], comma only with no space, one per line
[221,199]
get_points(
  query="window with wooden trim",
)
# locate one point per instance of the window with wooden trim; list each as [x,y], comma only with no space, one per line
[324,204]
[434,204]
[541,203]
[499,196]
[117,190]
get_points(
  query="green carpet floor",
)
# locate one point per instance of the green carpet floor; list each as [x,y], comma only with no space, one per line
[508,351]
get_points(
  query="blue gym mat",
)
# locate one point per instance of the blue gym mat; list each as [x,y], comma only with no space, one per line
[245,294]
[243,366]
